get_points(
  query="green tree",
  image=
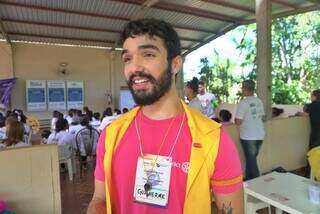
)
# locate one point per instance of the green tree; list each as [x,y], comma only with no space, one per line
[218,77]
[295,60]
[295,56]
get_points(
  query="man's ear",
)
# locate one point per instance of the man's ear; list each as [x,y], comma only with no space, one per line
[176,64]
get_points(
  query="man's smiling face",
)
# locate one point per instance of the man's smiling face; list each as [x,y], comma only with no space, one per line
[146,68]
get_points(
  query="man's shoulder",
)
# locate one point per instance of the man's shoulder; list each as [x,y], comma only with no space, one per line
[124,117]
[201,121]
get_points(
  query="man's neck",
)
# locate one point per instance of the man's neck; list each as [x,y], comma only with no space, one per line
[167,106]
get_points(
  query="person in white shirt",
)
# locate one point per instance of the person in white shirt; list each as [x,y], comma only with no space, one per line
[108,117]
[60,136]
[14,134]
[191,91]
[86,140]
[207,101]
[55,116]
[95,122]
[74,128]
[249,118]
[69,116]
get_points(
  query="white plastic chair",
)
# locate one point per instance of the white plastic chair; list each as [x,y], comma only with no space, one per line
[86,144]
[66,156]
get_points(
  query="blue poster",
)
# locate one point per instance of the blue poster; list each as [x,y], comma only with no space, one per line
[36,95]
[56,94]
[75,94]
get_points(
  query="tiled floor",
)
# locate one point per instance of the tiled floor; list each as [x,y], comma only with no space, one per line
[76,194]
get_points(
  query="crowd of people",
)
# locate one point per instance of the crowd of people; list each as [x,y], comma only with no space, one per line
[14,129]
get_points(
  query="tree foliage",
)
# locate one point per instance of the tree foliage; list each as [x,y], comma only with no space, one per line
[295,60]
[219,78]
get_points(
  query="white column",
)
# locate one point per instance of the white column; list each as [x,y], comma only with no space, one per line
[264,53]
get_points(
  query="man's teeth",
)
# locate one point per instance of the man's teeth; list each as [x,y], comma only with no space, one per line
[140,81]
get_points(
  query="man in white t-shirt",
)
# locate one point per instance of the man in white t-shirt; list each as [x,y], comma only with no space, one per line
[249,118]
[207,99]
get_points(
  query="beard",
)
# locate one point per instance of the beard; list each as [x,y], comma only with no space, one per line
[160,87]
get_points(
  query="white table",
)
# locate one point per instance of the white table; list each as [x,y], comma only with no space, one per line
[286,191]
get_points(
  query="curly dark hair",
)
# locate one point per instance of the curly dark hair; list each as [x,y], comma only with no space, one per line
[316,94]
[194,85]
[154,27]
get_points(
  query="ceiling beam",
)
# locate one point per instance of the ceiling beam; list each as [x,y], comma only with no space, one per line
[46,24]
[62,26]
[189,39]
[285,3]
[194,29]
[231,5]
[4,32]
[188,10]
[91,15]
[67,38]
[288,13]
[144,7]
[60,37]
[37,7]
[197,12]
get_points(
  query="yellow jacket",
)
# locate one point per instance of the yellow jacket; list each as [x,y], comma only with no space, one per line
[314,161]
[205,134]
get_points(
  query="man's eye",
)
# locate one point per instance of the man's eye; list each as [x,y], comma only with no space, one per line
[149,55]
[126,59]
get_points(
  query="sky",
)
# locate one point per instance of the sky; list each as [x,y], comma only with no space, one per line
[223,45]
[192,64]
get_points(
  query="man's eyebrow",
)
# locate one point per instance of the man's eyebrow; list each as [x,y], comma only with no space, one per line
[149,46]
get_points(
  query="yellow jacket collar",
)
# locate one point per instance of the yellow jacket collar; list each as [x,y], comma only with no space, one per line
[202,124]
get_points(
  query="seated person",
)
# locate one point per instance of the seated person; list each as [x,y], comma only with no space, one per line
[60,136]
[276,111]
[125,110]
[86,140]
[45,135]
[225,117]
[95,122]
[14,134]
[107,118]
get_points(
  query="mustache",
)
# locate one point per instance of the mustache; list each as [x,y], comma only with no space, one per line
[141,74]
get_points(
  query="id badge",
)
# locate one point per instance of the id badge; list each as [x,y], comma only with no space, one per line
[152,183]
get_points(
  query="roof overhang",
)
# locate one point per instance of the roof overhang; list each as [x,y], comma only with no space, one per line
[98,23]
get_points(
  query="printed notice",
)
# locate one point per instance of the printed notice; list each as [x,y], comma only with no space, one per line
[36,95]
[75,94]
[56,90]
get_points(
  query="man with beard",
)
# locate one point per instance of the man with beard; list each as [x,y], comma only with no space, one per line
[162,156]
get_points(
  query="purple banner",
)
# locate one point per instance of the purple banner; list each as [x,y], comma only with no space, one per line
[6,86]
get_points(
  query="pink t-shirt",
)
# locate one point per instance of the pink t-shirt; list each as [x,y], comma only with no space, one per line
[124,163]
